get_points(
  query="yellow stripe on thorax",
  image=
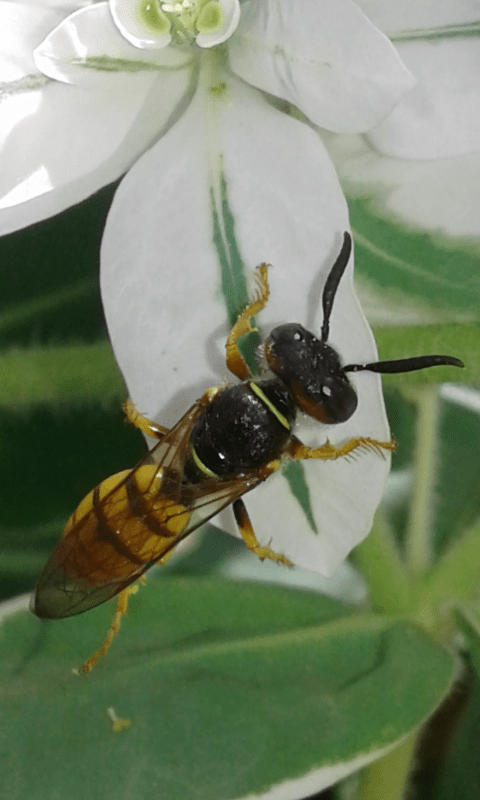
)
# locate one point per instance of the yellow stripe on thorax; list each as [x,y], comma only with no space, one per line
[201,466]
[263,397]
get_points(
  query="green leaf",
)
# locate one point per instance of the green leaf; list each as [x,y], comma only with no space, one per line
[60,388]
[52,456]
[230,688]
[23,313]
[420,292]
[413,274]
[455,774]
[49,274]
[456,576]
[63,374]
[461,341]
[379,560]
[457,490]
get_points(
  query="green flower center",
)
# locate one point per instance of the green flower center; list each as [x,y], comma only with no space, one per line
[182,20]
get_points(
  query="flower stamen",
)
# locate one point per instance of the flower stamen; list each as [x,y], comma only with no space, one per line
[208,22]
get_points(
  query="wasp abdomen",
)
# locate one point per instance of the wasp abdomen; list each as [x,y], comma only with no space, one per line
[125,522]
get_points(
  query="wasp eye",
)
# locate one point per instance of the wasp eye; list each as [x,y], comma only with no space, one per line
[298,336]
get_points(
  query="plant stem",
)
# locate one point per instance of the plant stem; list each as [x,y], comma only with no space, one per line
[418,544]
[378,559]
[386,779]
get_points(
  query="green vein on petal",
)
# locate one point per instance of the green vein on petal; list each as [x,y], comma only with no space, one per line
[232,267]
[234,284]
[109,64]
[294,474]
[470,29]
[29,83]
[63,374]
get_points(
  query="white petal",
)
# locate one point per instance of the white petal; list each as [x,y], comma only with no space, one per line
[161,285]
[440,197]
[22,28]
[231,10]
[60,143]
[88,49]
[441,117]
[324,56]
[64,7]
[126,16]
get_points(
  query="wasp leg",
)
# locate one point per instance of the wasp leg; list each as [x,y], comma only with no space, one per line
[235,361]
[122,605]
[297,450]
[248,536]
[143,423]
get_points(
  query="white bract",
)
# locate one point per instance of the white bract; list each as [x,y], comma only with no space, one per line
[120,80]
[423,160]
[187,97]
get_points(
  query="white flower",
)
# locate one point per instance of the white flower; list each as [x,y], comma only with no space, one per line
[60,143]
[222,179]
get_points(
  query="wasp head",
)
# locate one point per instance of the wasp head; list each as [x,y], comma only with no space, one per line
[312,369]
[313,373]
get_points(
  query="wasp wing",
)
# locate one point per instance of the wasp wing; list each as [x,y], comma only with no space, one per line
[128,524]
[85,569]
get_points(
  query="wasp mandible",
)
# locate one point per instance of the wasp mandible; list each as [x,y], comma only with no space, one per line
[233,438]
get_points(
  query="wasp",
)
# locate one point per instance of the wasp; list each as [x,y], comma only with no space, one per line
[231,439]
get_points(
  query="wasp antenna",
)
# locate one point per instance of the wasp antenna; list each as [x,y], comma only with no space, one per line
[406,364]
[333,280]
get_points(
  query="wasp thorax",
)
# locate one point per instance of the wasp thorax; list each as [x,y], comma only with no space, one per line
[312,371]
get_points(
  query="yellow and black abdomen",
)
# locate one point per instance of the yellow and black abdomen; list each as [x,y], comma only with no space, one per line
[120,528]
